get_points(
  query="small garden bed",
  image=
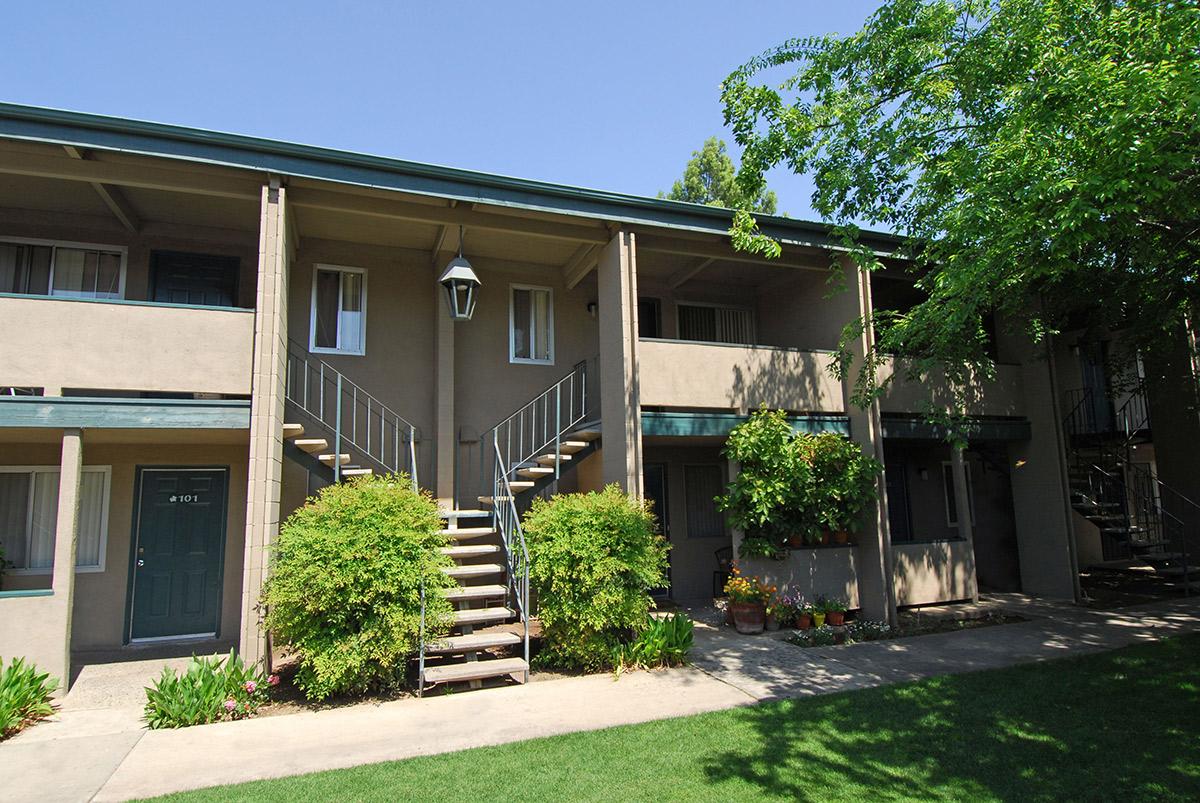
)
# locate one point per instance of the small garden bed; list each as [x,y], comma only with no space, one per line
[860,630]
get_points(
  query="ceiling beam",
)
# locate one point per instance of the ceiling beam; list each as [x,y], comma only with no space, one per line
[113,198]
[130,175]
[438,214]
[691,271]
[580,264]
[725,252]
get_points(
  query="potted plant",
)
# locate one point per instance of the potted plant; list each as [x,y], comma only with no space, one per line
[835,612]
[804,618]
[748,600]
[818,612]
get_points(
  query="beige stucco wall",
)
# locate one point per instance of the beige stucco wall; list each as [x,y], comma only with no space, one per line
[89,344]
[100,597]
[1003,396]
[932,572]
[681,374]
[825,571]
[31,628]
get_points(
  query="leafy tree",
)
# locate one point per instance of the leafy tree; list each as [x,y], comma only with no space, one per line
[709,179]
[1042,157]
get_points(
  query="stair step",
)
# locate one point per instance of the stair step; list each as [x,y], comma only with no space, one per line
[1097,517]
[473,642]
[454,515]
[1122,530]
[489,500]
[327,459]
[312,445]
[1161,557]
[1177,571]
[548,459]
[460,533]
[472,551]
[475,670]
[534,471]
[589,434]
[521,485]
[476,592]
[473,570]
[475,616]
[571,447]
[357,472]
[292,431]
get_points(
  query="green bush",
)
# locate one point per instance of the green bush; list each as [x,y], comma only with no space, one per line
[345,584]
[844,480]
[593,559]
[664,641]
[211,689]
[24,696]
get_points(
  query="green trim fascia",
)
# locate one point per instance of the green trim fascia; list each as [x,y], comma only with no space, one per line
[684,425]
[27,592]
[126,302]
[105,413]
[308,161]
[1017,429]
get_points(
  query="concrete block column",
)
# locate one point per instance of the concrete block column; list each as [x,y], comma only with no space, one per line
[265,469]
[962,512]
[66,540]
[620,398]
[876,590]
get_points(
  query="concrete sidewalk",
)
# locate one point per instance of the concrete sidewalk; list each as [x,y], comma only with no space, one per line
[105,755]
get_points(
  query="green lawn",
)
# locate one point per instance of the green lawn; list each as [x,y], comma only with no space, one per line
[1123,725]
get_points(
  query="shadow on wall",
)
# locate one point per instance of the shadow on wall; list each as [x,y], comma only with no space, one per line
[908,393]
[784,379]
[938,571]
[829,571]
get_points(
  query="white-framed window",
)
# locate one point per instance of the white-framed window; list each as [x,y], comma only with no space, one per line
[339,310]
[29,517]
[56,268]
[948,485]
[531,324]
[715,323]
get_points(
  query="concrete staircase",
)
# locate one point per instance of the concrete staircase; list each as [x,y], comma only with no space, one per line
[482,631]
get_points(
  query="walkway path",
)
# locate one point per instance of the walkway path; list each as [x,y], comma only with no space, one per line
[102,754]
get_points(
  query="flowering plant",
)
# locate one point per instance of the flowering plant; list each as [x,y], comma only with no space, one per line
[211,689]
[742,588]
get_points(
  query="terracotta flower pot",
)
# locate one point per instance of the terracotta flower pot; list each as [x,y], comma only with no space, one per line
[824,538]
[835,618]
[841,537]
[803,621]
[749,618]
[796,540]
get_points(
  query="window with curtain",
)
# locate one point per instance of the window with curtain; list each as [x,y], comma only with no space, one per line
[60,270]
[531,324]
[339,310]
[716,324]
[29,517]
[702,484]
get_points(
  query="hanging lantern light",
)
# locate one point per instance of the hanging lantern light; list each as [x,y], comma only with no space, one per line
[460,282]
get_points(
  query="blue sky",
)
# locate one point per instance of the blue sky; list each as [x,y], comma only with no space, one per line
[612,95]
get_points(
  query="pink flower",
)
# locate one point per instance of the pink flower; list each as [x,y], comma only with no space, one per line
[251,686]
[230,704]
[247,706]
[273,680]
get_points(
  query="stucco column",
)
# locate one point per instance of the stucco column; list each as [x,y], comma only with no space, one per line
[265,470]
[962,512]
[620,399]
[443,366]
[66,539]
[875,581]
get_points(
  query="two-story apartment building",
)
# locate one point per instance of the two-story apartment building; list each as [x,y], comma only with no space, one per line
[199,329]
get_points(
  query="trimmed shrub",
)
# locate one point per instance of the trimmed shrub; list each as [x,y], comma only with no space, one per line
[24,696]
[593,559]
[210,689]
[345,584]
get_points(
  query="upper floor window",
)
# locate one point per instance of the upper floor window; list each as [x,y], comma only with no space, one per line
[531,324]
[41,267]
[713,323]
[29,517]
[339,310]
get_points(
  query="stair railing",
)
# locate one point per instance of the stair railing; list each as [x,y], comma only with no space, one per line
[355,418]
[538,426]
[516,553]
[1134,414]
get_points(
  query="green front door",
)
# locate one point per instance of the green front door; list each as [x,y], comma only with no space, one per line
[177,552]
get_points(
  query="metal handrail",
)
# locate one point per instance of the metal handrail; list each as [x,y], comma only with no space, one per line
[508,524]
[355,417]
[540,423]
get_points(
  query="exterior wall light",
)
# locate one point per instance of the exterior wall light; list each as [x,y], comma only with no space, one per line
[460,282]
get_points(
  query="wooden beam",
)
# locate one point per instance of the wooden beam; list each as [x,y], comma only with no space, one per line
[580,264]
[453,215]
[691,271]
[113,198]
[725,252]
[130,175]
